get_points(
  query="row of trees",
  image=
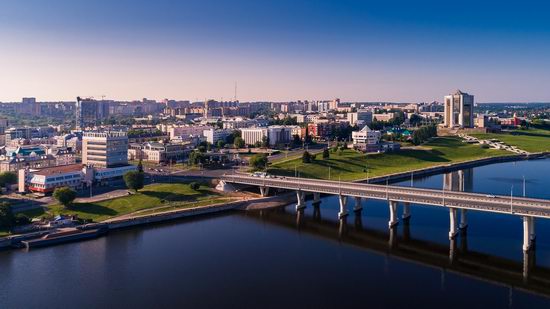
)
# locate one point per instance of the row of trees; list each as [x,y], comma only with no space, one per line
[424,133]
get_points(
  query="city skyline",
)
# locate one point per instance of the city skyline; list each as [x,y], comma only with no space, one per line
[274,51]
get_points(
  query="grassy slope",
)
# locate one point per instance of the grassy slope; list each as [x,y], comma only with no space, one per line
[532,140]
[155,195]
[351,164]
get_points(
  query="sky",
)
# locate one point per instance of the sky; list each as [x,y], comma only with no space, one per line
[279,50]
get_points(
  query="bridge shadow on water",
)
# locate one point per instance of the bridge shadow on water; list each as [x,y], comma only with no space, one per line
[398,243]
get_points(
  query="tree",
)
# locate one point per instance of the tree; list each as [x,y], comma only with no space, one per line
[220,144]
[306,157]
[265,142]
[239,142]
[134,180]
[258,161]
[7,219]
[196,157]
[140,166]
[65,195]
[194,185]
[326,153]
[7,178]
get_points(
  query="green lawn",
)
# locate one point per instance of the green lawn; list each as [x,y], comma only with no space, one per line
[152,196]
[4,233]
[532,140]
[350,165]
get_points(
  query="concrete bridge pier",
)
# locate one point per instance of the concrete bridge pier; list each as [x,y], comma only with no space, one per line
[452,250]
[316,198]
[393,214]
[343,226]
[406,212]
[463,219]
[343,209]
[528,233]
[300,200]
[358,207]
[452,228]
[392,242]
[264,191]
[528,264]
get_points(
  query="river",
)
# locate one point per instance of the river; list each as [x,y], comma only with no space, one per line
[278,258]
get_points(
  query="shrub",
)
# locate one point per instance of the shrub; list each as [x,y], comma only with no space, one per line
[22,219]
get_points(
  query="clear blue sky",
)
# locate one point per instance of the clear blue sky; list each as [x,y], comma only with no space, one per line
[275,50]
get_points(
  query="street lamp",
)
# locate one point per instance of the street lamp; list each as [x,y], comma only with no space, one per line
[512,199]
[523,185]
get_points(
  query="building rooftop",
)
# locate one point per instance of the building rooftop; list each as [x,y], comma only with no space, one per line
[59,169]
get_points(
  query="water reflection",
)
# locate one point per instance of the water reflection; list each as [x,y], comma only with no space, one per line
[456,257]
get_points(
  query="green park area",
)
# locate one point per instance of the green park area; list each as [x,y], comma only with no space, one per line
[349,164]
[152,198]
[531,140]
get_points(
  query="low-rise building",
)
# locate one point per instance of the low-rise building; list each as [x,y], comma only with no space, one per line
[253,135]
[366,139]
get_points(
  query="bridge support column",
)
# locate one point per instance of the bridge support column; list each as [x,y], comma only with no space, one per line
[316,198]
[463,219]
[300,200]
[358,206]
[343,209]
[393,214]
[452,227]
[264,191]
[528,233]
[406,211]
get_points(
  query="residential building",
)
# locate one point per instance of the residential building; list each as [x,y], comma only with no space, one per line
[360,118]
[213,136]
[15,163]
[90,112]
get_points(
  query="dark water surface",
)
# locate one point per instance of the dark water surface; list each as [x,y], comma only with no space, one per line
[308,260]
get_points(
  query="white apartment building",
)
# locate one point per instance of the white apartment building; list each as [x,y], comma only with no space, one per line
[105,149]
[253,135]
[213,136]
[186,132]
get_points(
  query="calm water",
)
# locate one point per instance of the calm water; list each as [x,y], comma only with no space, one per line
[311,260]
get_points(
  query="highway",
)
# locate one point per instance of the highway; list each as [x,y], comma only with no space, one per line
[461,200]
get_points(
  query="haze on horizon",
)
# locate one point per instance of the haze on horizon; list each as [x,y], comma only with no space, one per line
[402,51]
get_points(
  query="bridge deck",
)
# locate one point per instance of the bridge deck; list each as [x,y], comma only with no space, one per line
[463,200]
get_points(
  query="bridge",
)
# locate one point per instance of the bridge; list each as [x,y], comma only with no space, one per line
[527,208]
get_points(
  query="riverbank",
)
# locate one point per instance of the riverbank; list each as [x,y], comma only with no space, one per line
[16,241]
[450,167]
[351,165]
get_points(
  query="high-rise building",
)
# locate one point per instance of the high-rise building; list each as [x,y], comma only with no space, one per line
[361,117]
[90,112]
[459,110]
[105,149]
